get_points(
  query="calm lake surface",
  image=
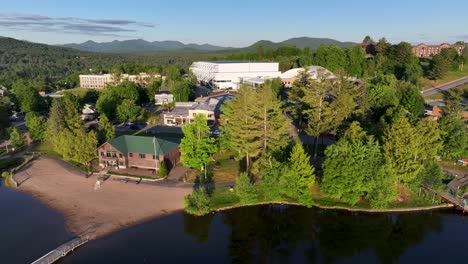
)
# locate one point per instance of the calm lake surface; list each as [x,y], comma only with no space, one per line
[262,234]
[28,229]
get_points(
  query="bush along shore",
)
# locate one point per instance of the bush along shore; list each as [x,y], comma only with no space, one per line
[206,200]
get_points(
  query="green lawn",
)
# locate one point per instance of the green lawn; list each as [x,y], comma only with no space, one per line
[224,168]
[440,96]
[45,148]
[450,76]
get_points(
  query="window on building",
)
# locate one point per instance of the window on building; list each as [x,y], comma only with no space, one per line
[131,155]
[102,153]
[141,155]
[120,155]
[155,157]
[111,154]
[121,163]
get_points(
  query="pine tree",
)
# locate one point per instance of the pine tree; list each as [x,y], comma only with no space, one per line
[106,129]
[56,122]
[326,105]
[274,125]
[402,149]
[36,125]
[197,203]
[242,123]
[245,190]
[354,167]
[17,138]
[299,177]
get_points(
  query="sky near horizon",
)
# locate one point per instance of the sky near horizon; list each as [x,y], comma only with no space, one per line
[234,23]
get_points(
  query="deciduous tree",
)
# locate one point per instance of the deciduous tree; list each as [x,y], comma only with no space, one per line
[197,146]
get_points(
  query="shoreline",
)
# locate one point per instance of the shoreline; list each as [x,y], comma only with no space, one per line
[117,205]
[341,208]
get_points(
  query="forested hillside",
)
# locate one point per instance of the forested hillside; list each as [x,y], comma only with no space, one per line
[51,65]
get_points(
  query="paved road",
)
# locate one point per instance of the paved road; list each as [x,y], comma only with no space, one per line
[445,86]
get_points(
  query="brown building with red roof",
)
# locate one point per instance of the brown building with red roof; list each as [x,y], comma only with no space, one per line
[424,50]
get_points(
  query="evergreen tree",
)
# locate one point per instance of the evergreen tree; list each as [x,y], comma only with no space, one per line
[430,138]
[197,203]
[36,125]
[274,124]
[17,138]
[410,98]
[326,105]
[106,129]
[245,190]
[438,67]
[402,149]
[454,137]
[56,122]
[355,167]
[356,61]
[300,177]
[242,123]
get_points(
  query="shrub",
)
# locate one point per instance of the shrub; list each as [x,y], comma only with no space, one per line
[245,190]
[197,203]
[162,169]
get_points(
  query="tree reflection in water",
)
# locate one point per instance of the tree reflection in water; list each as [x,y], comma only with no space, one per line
[266,234]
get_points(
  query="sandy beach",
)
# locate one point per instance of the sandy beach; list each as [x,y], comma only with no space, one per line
[94,213]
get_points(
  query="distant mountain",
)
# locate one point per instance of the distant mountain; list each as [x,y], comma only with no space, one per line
[140,46]
[143,46]
[302,42]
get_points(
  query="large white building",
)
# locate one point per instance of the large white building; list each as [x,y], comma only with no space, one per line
[231,74]
[99,81]
[316,73]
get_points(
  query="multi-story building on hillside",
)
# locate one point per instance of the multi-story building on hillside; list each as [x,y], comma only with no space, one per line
[99,81]
[424,50]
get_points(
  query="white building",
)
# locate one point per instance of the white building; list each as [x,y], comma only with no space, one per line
[316,73]
[231,74]
[99,81]
[162,98]
[185,112]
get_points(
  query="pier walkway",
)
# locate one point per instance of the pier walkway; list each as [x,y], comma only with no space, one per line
[61,251]
[448,197]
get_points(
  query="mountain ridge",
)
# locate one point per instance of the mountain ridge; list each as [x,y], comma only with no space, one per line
[141,45]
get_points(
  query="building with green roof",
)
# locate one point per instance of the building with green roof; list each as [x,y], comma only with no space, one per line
[138,152]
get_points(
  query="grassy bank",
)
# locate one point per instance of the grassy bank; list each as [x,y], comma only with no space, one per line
[224,198]
[450,76]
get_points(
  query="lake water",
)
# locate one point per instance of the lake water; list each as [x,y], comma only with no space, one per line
[262,234]
[28,229]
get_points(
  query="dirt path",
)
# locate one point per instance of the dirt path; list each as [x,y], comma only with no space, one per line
[91,212]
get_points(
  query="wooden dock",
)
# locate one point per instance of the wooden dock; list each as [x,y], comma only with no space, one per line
[61,251]
[457,202]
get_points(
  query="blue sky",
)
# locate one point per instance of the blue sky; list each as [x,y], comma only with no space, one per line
[234,22]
